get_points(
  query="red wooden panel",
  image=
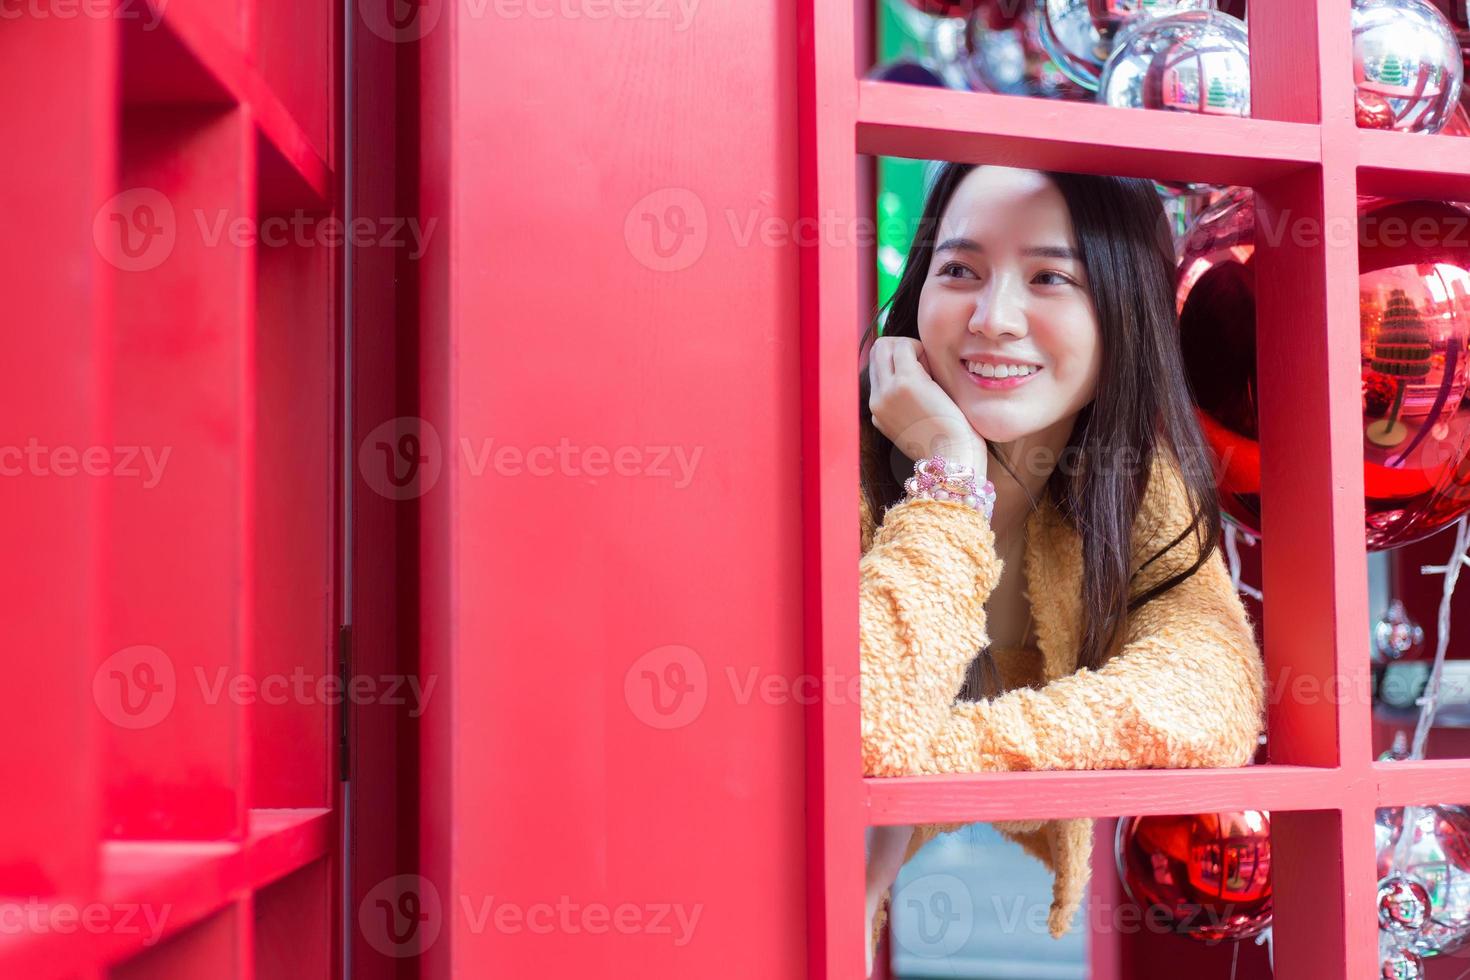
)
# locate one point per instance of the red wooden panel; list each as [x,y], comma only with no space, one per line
[294,926]
[56,87]
[294,692]
[221,946]
[832,305]
[180,562]
[553,314]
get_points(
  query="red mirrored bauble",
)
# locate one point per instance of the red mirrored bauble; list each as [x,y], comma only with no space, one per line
[946,8]
[1209,874]
[1414,306]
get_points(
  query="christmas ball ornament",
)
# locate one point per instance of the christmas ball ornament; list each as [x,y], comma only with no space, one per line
[1406,64]
[1005,55]
[1396,636]
[1403,905]
[1424,877]
[1414,312]
[1396,964]
[1079,34]
[1208,873]
[1196,61]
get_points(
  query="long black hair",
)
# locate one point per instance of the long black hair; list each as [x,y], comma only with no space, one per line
[1142,405]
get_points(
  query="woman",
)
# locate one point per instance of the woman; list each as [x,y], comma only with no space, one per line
[1084,619]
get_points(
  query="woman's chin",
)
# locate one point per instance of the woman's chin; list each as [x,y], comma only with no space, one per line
[999,427]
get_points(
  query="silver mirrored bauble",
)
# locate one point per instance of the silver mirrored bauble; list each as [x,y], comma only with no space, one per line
[1079,34]
[1011,60]
[1406,65]
[1197,61]
[1396,963]
[1428,848]
[1396,636]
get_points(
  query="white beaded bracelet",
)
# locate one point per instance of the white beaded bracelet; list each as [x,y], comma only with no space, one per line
[936,478]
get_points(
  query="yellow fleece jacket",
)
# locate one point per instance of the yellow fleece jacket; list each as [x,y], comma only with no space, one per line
[1185,688]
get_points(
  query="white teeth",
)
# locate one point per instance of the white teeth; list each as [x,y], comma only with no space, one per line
[1002,370]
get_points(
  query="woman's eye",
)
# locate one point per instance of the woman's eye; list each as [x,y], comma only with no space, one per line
[1054,279]
[944,270]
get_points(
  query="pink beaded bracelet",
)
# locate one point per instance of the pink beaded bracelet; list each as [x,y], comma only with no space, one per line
[936,478]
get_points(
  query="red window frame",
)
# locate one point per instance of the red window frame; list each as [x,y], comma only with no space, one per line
[1302,153]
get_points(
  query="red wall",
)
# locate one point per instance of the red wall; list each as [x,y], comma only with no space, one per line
[552,150]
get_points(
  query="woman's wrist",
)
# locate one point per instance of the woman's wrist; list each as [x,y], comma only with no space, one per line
[938,478]
[966,452]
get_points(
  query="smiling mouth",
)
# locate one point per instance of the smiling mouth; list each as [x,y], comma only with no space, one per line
[990,375]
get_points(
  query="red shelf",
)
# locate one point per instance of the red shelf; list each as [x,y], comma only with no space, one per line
[1095,793]
[943,124]
[153,890]
[1402,164]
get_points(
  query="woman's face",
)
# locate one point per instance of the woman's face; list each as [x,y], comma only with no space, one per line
[1005,315]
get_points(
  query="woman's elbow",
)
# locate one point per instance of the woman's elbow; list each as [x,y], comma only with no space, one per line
[1241,714]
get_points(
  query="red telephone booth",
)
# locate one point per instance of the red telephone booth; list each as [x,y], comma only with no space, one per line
[430,463]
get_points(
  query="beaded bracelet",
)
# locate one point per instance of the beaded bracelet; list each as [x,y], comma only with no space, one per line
[936,478]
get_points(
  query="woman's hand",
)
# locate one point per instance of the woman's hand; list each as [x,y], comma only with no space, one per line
[911,409]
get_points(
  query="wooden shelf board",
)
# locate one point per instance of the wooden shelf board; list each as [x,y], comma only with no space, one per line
[1099,793]
[943,124]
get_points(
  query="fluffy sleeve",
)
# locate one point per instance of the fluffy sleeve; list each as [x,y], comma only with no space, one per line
[1186,689]
[924,580]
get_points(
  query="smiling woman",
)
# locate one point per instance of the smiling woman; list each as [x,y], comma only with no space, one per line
[1087,622]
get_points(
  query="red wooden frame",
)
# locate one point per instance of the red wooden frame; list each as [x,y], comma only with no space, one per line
[1303,154]
[189,826]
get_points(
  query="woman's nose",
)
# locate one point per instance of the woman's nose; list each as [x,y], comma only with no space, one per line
[1001,312]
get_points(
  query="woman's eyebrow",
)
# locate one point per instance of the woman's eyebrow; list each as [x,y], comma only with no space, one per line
[1043,251]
